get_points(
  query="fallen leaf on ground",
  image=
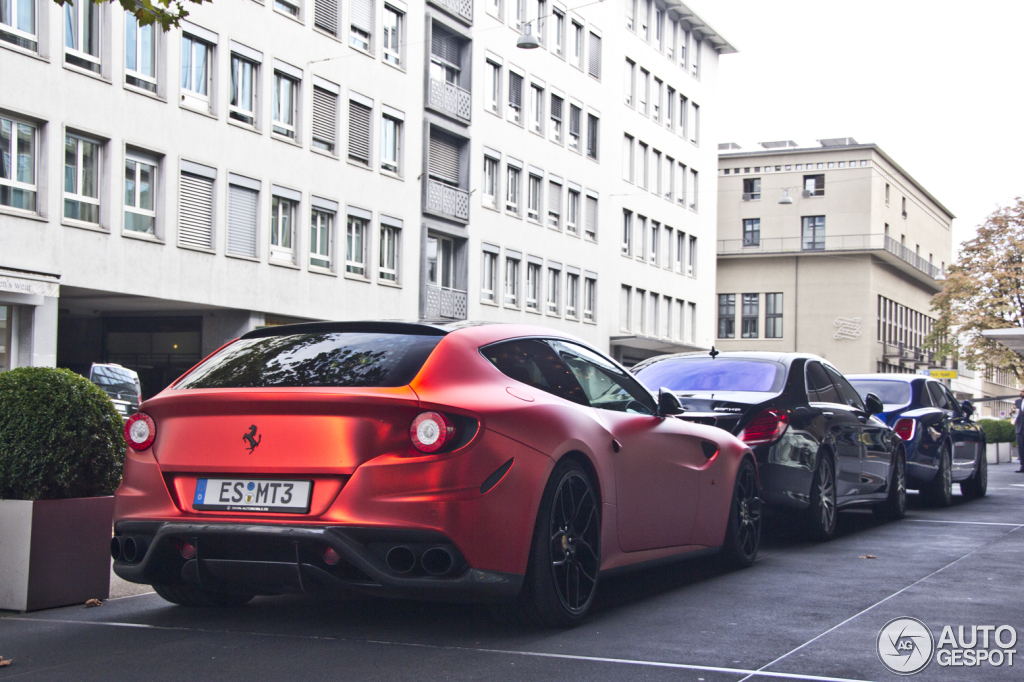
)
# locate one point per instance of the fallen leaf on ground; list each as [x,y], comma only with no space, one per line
[868,556]
[94,602]
[4,661]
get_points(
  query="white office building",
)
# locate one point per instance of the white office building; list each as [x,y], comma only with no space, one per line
[268,162]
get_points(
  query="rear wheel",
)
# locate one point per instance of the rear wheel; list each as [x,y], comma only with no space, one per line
[743,535]
[939,492]
[977,485]
[186,595]
[821,517]
[895,505]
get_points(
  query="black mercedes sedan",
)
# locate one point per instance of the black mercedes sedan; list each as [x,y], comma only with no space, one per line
[943,445]
[819,446]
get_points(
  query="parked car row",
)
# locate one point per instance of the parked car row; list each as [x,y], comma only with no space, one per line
[500,463]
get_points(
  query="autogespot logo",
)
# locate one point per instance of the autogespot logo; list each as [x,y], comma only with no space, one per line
[905,646]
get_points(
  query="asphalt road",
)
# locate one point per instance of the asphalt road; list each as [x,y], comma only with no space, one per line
[804,611]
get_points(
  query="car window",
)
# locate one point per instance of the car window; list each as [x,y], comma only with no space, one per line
[938,397]
[891,393]
[607,386]
[847,392]
[536,364]
[713,374]
[952,401]
[924,398]
[819,386]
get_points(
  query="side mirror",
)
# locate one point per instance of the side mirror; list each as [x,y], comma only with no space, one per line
[668,403]
[967,408]
[873,403]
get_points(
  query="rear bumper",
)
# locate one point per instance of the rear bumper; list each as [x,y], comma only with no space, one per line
[278,559]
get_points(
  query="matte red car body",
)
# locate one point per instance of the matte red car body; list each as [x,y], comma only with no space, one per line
[660,494]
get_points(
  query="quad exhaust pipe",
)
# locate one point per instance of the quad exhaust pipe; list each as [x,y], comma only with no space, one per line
[435,561]
[401,559]
[128,548]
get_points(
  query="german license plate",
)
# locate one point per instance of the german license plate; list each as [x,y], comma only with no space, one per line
[252,495]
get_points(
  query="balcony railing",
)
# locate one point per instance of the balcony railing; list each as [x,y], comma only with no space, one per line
[446,200]
[463,9]
[442,302]
[837,242]
[450,99]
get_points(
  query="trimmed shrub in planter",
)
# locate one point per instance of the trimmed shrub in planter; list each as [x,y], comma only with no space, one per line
[61,455]
[998,430]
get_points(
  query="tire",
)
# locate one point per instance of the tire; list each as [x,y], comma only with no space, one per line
[976,486]
[939,492]
[743,534]
[821,517]
[895,505]
[186,595]
[565,555]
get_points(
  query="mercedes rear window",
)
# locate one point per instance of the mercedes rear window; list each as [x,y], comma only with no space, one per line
[890,392]
[338,359]
[714,374]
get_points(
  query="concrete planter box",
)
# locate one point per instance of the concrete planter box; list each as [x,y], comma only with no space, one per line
[54,552]
[1001,453]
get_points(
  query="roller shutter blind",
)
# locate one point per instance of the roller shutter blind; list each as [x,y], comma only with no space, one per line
[444,159]
[325,15]
[515,90]
[594,56]
[591,215]
[195,211]
[325,116]
[574,119]
[359,132]
[592,135]
[445,45]
[556,107]
[361,14]
[554,198]
[242,203]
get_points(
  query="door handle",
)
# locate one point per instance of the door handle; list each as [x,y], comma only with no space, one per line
[616,445]
[862,418]
[826,415]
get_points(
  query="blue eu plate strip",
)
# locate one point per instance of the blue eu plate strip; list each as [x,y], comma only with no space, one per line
[200,491]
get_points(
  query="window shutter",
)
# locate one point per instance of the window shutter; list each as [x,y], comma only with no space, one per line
[361,14]
[556,107]
[195,211]
[325,15]
[325,115]
[359,132]
[592,215]
[554,198]
[574,119]
[515,90]
[445,45]
[594,58]
[444,159]
[242,203]
[592,135]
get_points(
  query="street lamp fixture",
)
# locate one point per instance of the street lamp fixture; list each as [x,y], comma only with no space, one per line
[785,198]
[527,41]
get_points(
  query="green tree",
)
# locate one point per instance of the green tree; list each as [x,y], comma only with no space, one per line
[163,13]
[984,289]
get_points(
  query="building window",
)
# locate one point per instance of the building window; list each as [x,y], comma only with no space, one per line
[321,238]
[555,205]
[680,251]
[512,282]
[243,215]
[394,28]
[533,286]
[515,97]
[727,316]
[642,163]
[556,118]
[577,44]
[440,261]
[540,20]
[904,202]
[325,119]
[488,276]
[390,143]
[325,16]
[17,164]
[694,123]
[589,299]
[627,232]
[574,127]
[518,14]
[361,28]
[196,71]
[492,86]
[644,93]
[887,194]
[813,233]
[512,190]
[287,7]
[657,172]
[630,81]
[572,293]
[814,185]
[140,194]
[591,230]
[691,258]
[572,213]
[695,57]
[359,132]
[242,105]
[553,299]
[559,38]
[286,102]
[592,136]
[655,244]
[82,34]
[390,241]
[81,179]
[282,228]
[18,25]
[139,54]
[751,189]
[752,232]
[641,234]
[490,182]
[533,197]
[656,100]
[627,158]
[355,245]
[773,316]
[195,206]
[668,178]
[750,316]
[694,189]
[537,109]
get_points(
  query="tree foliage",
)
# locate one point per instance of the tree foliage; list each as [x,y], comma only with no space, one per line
[163,13]
[984,289]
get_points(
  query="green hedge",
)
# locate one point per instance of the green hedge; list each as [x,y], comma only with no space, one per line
[60,436]
[998,430]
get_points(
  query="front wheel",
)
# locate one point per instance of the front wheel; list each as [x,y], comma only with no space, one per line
[821,517]
[939,492]
[895,505]
[743,535]
[977,485]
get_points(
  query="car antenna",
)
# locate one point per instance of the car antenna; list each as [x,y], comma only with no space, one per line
[714,353]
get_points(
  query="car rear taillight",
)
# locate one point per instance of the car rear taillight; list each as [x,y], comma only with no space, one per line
[905,428]
[766,427]
[139,431]
[431,431]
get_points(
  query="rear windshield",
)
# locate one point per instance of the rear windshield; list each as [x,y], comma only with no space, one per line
[890,392]
[115,379]
[714,374]
[323,359]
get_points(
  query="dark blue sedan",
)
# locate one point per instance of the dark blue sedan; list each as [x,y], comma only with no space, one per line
[943,445]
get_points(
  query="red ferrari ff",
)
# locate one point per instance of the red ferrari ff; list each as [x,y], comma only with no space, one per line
[491,462]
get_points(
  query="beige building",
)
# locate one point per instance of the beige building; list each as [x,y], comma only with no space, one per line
[833,250]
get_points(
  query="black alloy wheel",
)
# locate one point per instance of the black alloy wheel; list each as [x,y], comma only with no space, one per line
[939,492]
[743,535]
[977,485]
[895,505]
[822,513]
